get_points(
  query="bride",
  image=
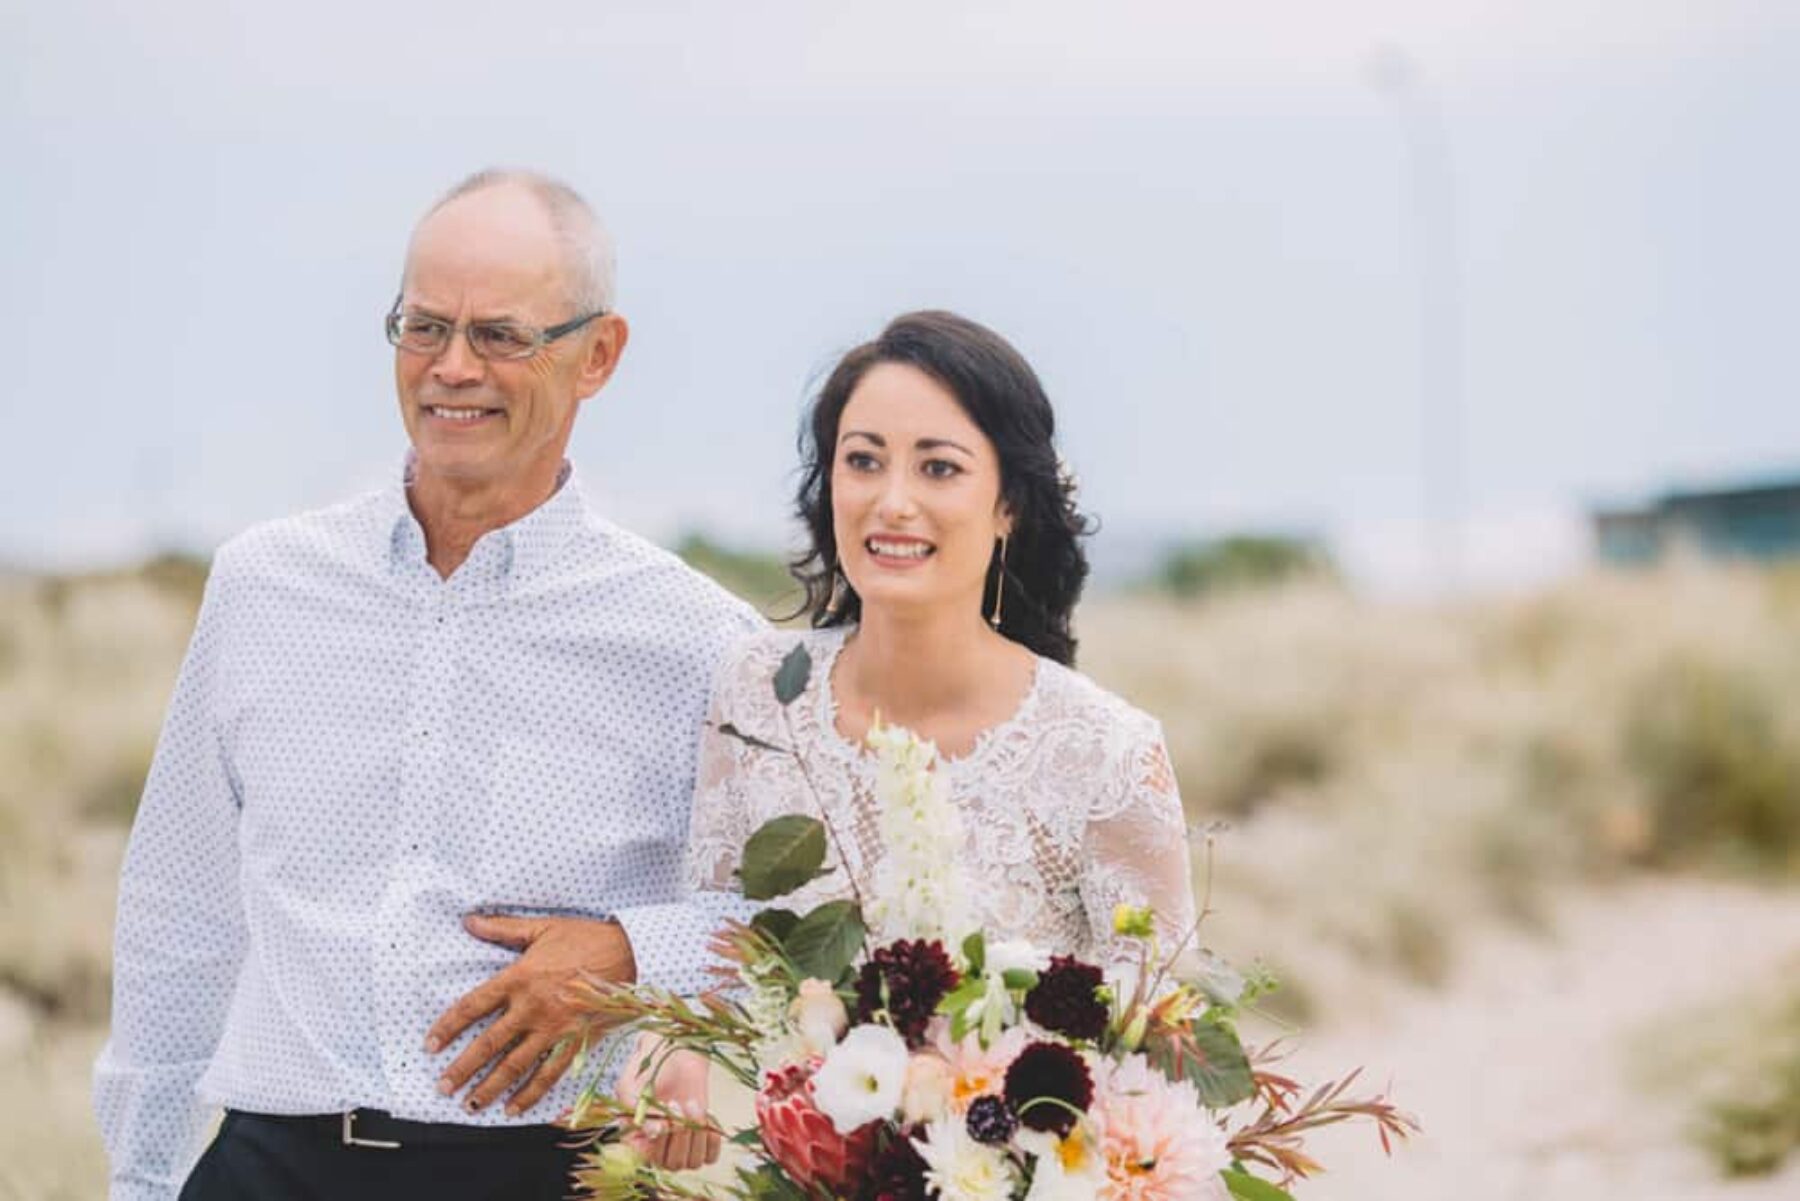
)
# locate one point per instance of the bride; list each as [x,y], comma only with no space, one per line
[943,568]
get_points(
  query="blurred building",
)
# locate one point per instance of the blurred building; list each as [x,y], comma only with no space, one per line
[1759,520]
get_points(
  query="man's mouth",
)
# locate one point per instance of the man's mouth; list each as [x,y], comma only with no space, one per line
[460,415]
[899,548]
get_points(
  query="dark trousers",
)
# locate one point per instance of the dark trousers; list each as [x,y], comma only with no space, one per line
[256,1158]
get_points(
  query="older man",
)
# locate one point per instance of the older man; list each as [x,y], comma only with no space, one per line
[428,760]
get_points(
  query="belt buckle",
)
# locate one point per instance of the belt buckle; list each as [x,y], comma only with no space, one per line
[350,1139]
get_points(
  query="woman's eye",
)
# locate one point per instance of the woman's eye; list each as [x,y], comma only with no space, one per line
[860,460]
[941,469]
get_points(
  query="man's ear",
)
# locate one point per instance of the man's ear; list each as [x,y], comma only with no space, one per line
[606,345]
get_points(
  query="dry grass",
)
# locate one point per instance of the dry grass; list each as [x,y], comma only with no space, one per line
[1393,775]
[1445,765]
[1735,1066]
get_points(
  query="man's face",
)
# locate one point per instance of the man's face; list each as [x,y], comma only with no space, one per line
[493,255]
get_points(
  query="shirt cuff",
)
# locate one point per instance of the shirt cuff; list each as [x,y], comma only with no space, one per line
[669,940]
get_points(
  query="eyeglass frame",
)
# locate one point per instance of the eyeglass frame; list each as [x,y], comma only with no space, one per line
[540,338]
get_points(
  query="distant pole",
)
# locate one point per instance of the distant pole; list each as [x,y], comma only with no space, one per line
[1396,76]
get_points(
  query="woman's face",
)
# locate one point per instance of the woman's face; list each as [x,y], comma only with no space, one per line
[915,494]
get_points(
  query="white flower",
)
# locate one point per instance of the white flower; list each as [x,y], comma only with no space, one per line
[1015,954]
[957,1168]
[766,1007]
[861,1078]
[818,1015]
[918,888]
[1067,1169]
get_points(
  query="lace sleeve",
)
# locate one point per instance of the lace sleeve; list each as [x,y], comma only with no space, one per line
[1136,852]
[721,816]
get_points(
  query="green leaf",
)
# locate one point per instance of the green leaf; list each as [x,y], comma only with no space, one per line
[965,994]
[791,676]
[750,1136]
[776,923]
[766,1182]
[974,951]
[1222,983]
[784,853]
[1020,979]
[1217,1065]
[826,940]
[1245,1187]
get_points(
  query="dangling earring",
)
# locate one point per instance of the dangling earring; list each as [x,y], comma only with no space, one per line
[839,586]
[999,587]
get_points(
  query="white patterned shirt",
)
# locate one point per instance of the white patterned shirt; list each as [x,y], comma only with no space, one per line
[359,753]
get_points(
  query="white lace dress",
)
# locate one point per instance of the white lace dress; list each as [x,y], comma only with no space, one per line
[1068,807]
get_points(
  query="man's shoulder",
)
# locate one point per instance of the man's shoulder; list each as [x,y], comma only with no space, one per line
[677,589]
[281,545]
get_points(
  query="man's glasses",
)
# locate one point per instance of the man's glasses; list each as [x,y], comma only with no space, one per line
[421,333]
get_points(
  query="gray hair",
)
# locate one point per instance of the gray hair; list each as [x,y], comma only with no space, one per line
[589,262]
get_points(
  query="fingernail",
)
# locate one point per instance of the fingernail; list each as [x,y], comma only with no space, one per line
[512,1111]
[471,1105]
[432,1045]
[445,1087]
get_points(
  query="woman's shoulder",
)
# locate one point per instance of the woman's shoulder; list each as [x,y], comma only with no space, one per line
[753,660]
[1071,696]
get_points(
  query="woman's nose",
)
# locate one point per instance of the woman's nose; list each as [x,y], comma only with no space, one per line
[896,503]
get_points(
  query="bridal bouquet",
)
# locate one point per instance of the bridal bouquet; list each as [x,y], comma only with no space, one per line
[898,1053]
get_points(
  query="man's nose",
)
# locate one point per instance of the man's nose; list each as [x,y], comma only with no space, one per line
[458,366]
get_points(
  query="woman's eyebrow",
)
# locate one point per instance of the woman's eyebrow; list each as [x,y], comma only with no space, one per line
[940,443]
[877,439]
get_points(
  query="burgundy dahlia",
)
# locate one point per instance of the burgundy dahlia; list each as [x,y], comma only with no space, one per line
[1065,999]
[898,1173]
[1049,1087]
[991,1120]
[907,978]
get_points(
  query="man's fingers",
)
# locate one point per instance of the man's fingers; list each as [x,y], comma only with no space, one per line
[515,932]
[475,1004]
[516,1065]
[544,1079]
[486,1047]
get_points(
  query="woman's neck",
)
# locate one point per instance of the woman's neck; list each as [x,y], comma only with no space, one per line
[932,672]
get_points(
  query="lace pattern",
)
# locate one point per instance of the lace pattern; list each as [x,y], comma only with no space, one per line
[1069,807]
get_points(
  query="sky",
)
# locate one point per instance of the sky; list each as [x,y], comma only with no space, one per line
[1265,292]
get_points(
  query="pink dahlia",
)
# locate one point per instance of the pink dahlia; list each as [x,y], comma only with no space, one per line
[802,1140]
[1159,1144]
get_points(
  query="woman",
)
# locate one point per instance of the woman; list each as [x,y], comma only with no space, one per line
[944,566]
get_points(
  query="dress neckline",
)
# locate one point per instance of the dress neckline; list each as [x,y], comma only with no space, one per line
[978,752]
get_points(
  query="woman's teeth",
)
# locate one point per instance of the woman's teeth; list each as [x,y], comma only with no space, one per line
[900,550]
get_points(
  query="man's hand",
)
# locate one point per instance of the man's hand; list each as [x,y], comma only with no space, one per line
[535,1035]
[677,1081]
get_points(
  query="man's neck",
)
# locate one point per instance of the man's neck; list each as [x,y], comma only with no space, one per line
[455,513]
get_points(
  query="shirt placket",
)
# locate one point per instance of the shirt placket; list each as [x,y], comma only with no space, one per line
[420,785]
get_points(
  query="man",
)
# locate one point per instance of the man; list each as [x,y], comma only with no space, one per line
[427,762]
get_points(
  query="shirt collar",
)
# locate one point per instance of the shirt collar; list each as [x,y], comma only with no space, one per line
[514,553]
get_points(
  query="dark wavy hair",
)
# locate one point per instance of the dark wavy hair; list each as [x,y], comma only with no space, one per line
[1045,565]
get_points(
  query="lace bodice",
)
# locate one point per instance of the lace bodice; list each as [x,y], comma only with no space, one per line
[1068,807]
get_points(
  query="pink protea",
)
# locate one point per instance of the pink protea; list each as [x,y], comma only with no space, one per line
[1159,1144]
[802,1140]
